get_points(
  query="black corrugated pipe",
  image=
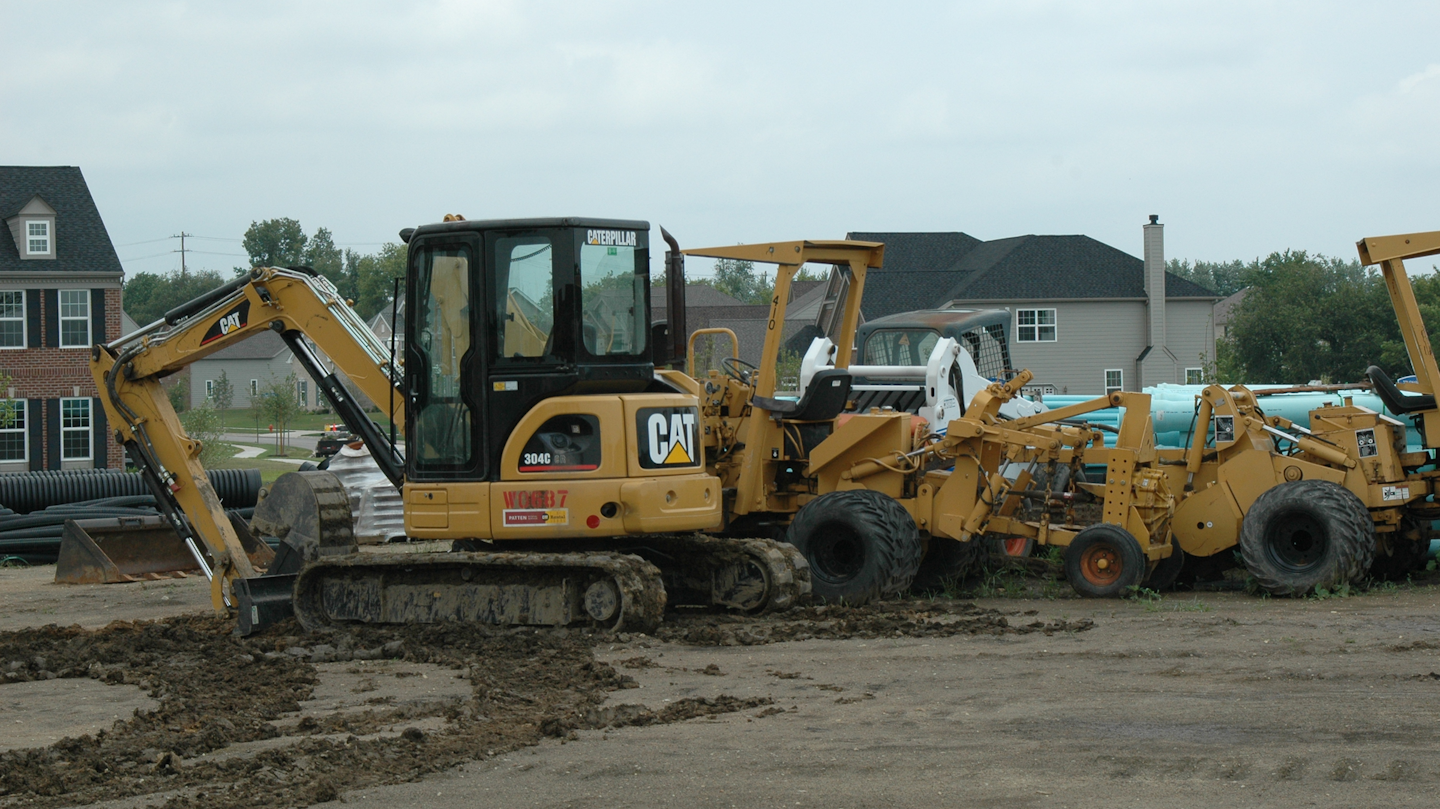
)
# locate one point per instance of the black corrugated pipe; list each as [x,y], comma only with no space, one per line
[24,492]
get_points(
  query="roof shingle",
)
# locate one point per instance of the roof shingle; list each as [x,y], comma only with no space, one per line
[81,241]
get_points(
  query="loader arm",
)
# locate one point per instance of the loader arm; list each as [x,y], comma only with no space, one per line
[1390,253]
[295,303]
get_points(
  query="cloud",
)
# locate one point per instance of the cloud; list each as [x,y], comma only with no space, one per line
[1409,83]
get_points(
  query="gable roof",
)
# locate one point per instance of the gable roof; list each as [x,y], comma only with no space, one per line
[81,241]
[263,345]
[696,295]
[1017,268]
[919,267]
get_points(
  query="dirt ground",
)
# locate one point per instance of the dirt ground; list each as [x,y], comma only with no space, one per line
[1216,698]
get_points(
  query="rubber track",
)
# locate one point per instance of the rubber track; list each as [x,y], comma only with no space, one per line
[1355,537]
[642,592]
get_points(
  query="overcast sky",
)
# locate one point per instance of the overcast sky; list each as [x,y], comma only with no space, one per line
[1248,127]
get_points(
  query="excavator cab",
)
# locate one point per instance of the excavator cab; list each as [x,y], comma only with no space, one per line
[502,315]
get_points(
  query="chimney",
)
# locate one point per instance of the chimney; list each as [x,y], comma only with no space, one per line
[1155,281]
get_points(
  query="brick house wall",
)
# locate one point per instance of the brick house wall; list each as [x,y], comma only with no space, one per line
[43,375]
[54,248]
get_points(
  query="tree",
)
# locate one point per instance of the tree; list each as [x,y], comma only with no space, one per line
[223,395]
[7,406]
[1312,318]
[275,243]
[1224,278]
[278,404]
[374,278]
[204,425]
[739,280]
[179,394]
[147,296]
[324,257]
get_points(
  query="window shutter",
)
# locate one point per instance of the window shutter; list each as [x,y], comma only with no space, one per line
[36,421]
[101,442]
[97,318]
[52,426]
[32,321]
[52,323]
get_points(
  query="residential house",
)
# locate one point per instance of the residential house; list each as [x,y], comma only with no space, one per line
[1087,318]
[1224,310]
[250,366]
[60,285]
[708,308]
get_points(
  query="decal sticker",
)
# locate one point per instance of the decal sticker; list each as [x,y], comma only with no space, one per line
[236,318]
[567,443]
[1365,440]
[611,238]
[667,437]
[1401,493]
[541,507]
[1224,429]
[509,384]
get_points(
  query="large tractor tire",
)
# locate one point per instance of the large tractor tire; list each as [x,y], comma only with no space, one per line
[1307,534]
[861,546]
[1105,561]
[947,562]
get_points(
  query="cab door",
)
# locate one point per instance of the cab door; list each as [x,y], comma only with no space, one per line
[444,363]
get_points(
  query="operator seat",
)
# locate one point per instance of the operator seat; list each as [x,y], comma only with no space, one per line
[826,396]
[1397,400]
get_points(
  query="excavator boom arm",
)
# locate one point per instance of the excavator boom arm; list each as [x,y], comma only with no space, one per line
[296,304]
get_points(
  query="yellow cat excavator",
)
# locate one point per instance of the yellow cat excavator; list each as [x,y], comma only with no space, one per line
[539,436]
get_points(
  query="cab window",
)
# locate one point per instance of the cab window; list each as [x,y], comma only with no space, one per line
[525,305]
[900,347]
[612,300]
[443,423]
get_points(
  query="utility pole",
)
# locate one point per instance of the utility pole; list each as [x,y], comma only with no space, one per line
[181,251]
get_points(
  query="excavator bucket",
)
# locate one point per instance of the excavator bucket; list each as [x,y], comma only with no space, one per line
[126,549]
[121,549]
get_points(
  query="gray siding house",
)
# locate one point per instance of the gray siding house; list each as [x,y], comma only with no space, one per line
[249,366]
[1087,318]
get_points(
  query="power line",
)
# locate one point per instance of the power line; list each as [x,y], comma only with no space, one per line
[151,241]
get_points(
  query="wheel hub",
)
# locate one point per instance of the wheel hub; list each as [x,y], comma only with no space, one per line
[838,553]
[1101,565]
[1297,542]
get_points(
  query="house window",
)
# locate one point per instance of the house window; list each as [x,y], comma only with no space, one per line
[12,318]
[209,389]
[302,392]
[1194,376]
[74,318]
[1114,380]
[1035,325]
[12,431]
[254,388]
[37,238]
[75,429]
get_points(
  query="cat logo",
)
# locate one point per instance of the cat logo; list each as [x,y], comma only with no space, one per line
[668,437]
[236,318]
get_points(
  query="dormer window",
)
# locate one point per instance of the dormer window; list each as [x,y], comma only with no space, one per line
[37,237]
